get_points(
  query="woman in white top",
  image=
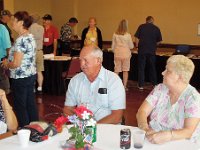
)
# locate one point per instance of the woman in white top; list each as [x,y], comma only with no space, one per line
[121,45]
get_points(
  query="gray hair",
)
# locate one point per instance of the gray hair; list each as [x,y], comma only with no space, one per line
[182,66]
[97,52]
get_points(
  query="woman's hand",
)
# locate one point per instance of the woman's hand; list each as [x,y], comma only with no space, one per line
[4,63]
[150,131]
[159,137]
[4,100]
[2,94]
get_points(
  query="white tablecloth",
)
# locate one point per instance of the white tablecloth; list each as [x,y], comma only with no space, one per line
[108,138]
[56,58]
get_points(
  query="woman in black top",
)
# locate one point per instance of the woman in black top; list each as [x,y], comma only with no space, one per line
[91,35]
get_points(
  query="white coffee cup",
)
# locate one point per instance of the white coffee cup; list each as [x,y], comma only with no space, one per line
[24,136]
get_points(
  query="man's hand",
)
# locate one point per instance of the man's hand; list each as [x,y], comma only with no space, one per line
[68,110]
[114,118]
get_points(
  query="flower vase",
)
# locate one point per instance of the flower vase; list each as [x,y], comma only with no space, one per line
[93,133]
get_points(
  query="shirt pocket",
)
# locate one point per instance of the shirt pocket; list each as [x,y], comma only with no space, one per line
[102,100]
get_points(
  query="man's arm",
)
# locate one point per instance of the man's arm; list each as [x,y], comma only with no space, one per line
[136,42]
[55,44]
[114,118]
[68,110]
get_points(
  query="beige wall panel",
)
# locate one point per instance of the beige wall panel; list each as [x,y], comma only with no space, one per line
[40,7]
[62,10]
[177,19]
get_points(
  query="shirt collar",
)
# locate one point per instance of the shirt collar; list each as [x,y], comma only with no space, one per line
[100,75]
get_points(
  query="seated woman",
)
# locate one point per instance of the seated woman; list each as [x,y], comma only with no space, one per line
[8,120]
[173,106]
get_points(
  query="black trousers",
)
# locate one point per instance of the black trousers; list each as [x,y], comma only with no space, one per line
[48,49]
[65,47]
[150,60]
[24,100]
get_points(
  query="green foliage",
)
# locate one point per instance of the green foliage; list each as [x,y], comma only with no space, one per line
[77,136]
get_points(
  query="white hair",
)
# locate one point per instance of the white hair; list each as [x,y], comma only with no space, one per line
[97,52]
[182,66]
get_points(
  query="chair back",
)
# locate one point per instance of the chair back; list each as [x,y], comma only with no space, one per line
[74,67]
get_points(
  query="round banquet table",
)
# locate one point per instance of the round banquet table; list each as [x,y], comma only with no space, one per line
[108,138]
[53,68]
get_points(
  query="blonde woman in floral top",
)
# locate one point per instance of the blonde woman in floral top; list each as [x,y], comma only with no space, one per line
[173,106]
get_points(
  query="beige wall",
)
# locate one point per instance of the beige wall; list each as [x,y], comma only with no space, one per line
[9,4]
[62,10]
[177,19]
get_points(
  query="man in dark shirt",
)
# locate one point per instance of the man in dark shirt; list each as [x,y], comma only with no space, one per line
[148,36]
[5,17]
[66,35]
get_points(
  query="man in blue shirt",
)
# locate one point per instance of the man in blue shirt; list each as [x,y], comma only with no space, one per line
[5,17]
[99,89]
[148,36]
[5,45]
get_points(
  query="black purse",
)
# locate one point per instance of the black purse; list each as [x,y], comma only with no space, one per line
[38,134]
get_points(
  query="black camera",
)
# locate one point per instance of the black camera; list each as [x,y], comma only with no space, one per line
[102,91]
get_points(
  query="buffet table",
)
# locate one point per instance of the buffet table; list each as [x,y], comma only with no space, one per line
[108,138]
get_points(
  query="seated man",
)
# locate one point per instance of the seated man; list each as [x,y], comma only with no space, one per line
[8,119]
[100,90]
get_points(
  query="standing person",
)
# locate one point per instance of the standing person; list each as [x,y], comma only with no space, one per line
[21,63]
[66,34]
[51,36]
[121,44]
[38,32]
[5,17]
[5,45]
[91,35]
[147,37]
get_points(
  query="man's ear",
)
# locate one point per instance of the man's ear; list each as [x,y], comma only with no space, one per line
[99,60]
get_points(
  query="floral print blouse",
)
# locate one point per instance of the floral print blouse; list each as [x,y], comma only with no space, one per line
[165,116]
[65,33]
[26,45]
